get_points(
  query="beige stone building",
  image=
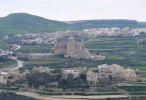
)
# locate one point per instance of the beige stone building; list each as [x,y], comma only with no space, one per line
[41,69]
[114,71]
[74,71]
[71,49]
[9,77]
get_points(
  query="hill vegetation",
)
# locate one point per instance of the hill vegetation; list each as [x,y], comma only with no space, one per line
[27,23]
[105,24]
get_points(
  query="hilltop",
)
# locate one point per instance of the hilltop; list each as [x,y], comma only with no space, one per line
[26,23]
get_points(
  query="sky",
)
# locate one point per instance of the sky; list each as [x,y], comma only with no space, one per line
[70,10]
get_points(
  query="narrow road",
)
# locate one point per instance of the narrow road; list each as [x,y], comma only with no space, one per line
[67,97]
[19,64]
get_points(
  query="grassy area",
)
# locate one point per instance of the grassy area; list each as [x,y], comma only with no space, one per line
[135,92]
[36,48]
[8,64]
[60,62]
[3,45]
[5,62]
[126,51]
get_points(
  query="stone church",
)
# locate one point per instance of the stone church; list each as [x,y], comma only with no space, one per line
[72,49]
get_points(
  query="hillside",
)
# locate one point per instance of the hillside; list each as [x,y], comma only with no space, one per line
[142,24]
[26,23]
[105,23]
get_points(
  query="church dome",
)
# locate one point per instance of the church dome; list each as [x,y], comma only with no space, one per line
[71,39]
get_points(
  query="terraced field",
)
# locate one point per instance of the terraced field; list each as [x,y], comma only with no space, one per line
[36,48]
[60,63]
[126,51]
[3,45]
[136,92]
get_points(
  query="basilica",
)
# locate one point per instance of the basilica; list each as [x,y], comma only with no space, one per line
[73,49]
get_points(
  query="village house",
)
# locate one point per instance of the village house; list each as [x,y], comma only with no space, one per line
[111,72]
[41,69]
[74,71]
[65,74]
[9,77]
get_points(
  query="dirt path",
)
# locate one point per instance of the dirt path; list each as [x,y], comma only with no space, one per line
[67,97]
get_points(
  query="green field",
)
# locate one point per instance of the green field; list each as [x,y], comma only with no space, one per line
[3,45]
[125,51]
[60,63]
[136,92]
[36,48]
[5,62]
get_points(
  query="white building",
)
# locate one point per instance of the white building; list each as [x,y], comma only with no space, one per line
[65,73]
[41,69]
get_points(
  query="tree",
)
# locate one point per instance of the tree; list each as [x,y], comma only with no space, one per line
[83,76]
[36,79]
[70,77]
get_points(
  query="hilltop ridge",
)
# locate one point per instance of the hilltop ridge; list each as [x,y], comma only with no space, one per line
[26,23]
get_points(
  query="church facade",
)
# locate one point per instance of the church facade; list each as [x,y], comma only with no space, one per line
[71,49]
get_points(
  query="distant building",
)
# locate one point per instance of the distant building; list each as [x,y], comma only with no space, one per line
[74,71]
[41,69]
[9,77]
[73,49]
[111,72]
[65,74]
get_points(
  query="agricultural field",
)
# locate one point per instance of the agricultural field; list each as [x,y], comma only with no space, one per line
[46,48]
[58,62]
[3,45]
[5,63]
[126,51]
[136,92]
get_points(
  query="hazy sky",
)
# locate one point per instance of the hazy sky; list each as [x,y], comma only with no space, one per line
[65,10]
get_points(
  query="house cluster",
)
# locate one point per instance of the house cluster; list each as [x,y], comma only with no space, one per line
[93,75]
[115,32]
[12,75]
[103,72]
[111,72]
[51,38]
[9,76]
